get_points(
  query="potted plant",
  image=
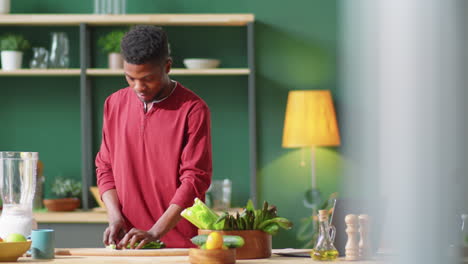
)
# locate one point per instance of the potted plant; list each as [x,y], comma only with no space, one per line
[110,43]
[67,193]
[12,47]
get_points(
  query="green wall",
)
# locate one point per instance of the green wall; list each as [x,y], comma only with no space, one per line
[296,48]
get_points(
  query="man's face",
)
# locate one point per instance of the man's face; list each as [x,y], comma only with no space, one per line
[147,80]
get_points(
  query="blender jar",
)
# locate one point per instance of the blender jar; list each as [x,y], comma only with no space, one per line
[17,186]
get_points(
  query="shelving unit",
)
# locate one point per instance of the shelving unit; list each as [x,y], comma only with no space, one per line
[86,21]
[109,72]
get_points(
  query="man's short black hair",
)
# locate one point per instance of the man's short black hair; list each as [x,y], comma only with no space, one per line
[145,44]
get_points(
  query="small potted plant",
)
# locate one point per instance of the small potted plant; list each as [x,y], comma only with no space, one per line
[12,47]
[110,44]
[67,193]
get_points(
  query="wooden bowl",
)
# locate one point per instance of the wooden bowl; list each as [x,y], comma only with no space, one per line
[212,256]
[11,251]
[257,243]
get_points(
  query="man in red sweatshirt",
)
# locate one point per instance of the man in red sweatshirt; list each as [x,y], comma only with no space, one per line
[155,155]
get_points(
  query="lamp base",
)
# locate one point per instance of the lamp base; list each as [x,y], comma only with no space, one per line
[313,198]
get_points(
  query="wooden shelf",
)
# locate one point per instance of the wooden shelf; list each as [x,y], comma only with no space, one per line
[176,71]
[41,72]
[107,20]
[109,72]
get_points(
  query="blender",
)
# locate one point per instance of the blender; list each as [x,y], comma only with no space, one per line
[17,186]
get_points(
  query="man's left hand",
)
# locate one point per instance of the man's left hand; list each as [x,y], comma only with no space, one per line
[136,235]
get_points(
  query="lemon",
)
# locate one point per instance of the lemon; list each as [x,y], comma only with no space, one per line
[214,241]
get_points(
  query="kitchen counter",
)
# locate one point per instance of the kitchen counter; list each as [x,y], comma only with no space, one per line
[95,216]
[91,217]
[84,227]
[143,260]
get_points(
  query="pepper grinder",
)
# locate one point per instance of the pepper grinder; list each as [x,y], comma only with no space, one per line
[364,243]
[352,245]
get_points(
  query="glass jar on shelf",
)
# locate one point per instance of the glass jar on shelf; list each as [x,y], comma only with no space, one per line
[110,6]
[59,51]
[40,58]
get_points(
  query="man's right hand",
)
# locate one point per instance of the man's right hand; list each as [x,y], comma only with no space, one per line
[114,232]
[117,228]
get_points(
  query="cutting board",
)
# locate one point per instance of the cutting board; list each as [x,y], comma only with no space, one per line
[114,252]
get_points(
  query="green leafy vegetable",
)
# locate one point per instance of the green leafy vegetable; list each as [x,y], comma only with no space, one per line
[150,245]
[265,219]
[200,215]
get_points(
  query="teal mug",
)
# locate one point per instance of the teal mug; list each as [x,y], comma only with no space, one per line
[43,244]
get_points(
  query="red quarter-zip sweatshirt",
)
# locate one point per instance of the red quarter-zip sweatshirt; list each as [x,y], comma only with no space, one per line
[157,158]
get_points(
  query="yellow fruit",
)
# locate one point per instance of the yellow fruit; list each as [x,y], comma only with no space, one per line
[214,241]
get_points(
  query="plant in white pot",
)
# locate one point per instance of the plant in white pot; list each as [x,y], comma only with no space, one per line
[12,47]
[67,193]
[110,43]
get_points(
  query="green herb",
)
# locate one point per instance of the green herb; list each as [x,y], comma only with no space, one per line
[150,245]
[111,246]
[13,42]
[66,188]
[110,43]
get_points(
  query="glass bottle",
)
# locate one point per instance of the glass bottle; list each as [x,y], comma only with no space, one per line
[324,248]
[59,50]
[40,58]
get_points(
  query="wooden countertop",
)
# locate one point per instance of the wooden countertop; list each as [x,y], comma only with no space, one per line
[95,216]
[164,259]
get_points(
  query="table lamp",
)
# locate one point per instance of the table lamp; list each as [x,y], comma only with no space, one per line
[310,122]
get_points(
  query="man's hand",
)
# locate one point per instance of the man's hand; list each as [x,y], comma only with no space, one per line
[165,223]
[136,235]
[114,232]
[117,228]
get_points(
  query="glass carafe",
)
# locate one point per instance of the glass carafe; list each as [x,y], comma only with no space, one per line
[59,49]
[17,187]
[324,248]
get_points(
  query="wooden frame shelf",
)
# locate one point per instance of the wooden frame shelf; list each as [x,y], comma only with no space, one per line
[108,20]
[111,72]
[176,71]
[41,72]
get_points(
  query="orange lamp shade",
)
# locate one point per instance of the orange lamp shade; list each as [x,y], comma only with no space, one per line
[310,120]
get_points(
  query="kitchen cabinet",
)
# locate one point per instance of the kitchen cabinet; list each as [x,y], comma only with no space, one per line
[85,22]
[74,229]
